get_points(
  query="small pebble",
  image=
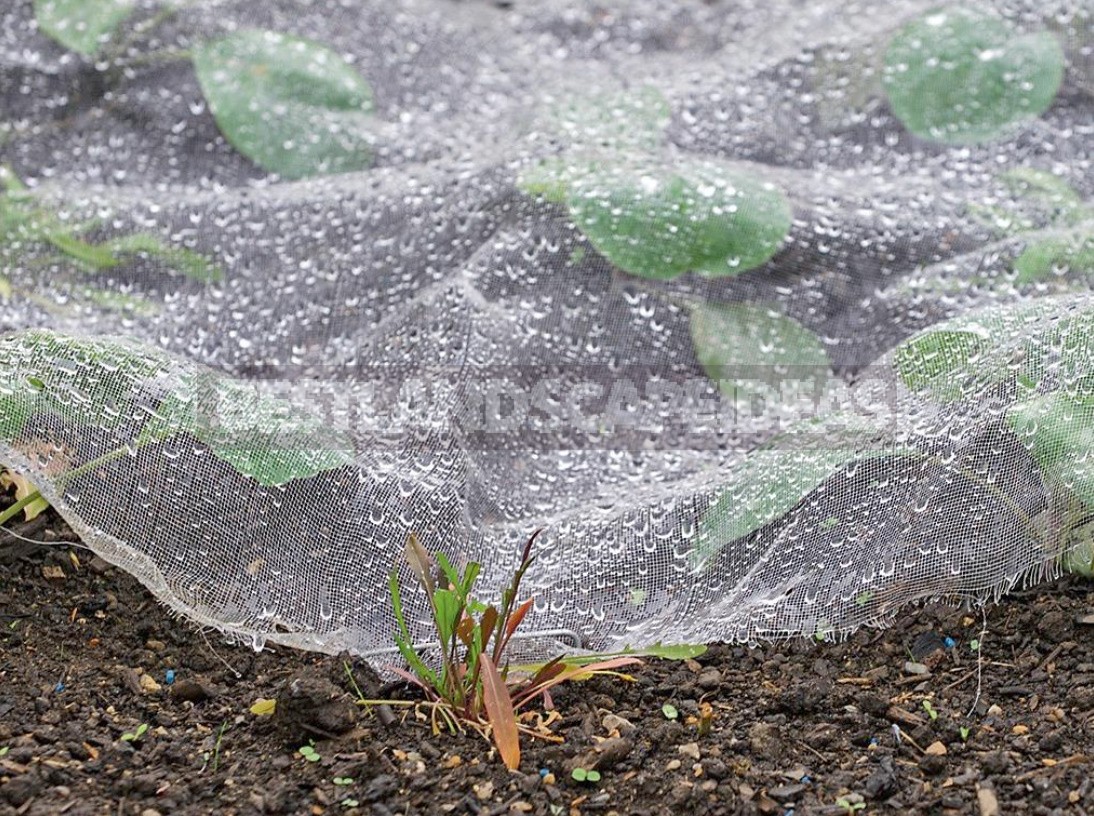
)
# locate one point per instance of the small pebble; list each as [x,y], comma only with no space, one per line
[690,750]
[911,667]
[148,684]
[989,804]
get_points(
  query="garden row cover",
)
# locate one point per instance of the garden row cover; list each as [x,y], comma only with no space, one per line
[775,318]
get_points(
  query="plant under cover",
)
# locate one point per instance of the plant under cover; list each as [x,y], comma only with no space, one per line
[475,684]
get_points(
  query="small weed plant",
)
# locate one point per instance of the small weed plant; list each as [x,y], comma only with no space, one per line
[136,735]
[474,684]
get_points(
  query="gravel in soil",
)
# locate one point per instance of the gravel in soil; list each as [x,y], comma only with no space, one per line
[109,704]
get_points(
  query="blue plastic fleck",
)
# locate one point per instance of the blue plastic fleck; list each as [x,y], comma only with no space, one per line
[59,687]
[873,740]
[950,642]
[169,676]
[543,772]
[805,780]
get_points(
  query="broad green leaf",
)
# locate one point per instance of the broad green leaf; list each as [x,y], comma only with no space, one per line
[749,350]
[763,487]
[81,25]
[292,105]
[932,361]
[1041,259]
[960,76]
[1059,432]
[659,221]
[957,358]
[263,437]
[769,482]
[613,121]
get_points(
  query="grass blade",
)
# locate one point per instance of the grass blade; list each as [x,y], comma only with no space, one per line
[420,564]
[499,710]
[516,618]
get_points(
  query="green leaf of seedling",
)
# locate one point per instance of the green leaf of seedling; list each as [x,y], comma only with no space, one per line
[1045,258]
[402,636]
[342,781]
[585,775]
[81,25]
[964,730]
[670,711]
[292,105]
[470,576]
[930,709]
[450,573]
[447,609]
[742,346]
[135,736]
[960,76]
[309,753]
[658,221]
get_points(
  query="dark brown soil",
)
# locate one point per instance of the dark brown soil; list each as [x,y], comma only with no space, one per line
[798,727]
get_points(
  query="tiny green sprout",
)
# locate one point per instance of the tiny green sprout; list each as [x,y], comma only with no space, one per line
[670,712]
[557,810]
[848,805]
[829,523]
[350,803]
[4,750]
[930,709]
[135,736]
[863,598]
[974,645]
[308,752]
[964,733]
[343,780]
[585,775]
